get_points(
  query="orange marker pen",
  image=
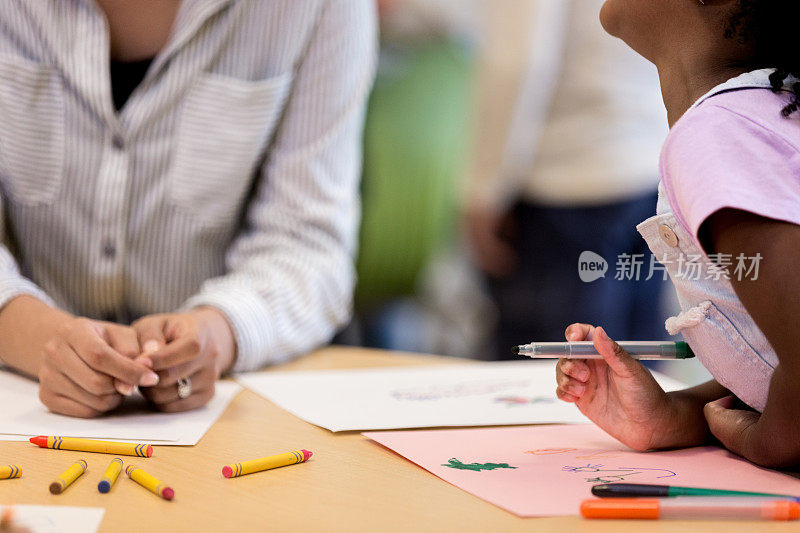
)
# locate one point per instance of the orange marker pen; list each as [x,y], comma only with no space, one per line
[684,508]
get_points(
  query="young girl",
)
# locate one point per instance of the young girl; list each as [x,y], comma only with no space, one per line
[727,230]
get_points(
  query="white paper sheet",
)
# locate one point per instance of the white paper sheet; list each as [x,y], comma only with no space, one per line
[23,416]
[57,519]
[477,394]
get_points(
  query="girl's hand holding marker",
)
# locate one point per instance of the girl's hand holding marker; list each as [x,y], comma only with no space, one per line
[621,396]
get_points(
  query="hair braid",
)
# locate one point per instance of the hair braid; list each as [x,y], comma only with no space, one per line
[769,26]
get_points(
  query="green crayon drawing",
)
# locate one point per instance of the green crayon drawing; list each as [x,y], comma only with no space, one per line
[475,467]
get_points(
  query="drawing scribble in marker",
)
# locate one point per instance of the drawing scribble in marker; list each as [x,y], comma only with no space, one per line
[602,454]
[515,401]
[549,451]
[610,475]
[475,467]
[465,389]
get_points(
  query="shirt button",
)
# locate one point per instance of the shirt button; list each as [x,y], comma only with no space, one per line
[118,142]
[668,236]
[109,250]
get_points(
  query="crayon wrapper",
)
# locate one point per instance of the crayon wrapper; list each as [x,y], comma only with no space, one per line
[71,474]
[266,463]
[10,472]
[112,472]
[94,446]
[151,483]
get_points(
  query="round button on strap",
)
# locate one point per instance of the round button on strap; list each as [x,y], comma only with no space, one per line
[667,235]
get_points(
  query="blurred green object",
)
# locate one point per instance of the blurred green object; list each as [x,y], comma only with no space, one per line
[415,145]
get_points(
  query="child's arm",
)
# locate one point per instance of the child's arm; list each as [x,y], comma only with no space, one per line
[773,300]
[619,395]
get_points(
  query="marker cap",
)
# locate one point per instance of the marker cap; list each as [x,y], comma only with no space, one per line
[620,508]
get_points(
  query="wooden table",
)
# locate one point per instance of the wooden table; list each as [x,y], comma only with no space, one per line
[351,484]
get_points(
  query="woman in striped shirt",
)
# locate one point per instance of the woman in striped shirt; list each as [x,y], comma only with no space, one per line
[189,169]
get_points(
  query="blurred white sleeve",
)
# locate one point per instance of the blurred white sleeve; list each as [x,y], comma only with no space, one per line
[520,52]
[12,282]
[290,276]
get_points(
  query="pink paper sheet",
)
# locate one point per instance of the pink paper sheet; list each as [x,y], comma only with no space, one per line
[554,467]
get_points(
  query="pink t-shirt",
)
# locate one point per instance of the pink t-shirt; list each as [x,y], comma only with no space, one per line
[734,150]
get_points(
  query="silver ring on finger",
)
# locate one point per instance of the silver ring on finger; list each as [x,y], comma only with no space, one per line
[184,388]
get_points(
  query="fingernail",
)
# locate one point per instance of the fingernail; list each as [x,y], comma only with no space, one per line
[726,402]
[150,346]
[125,389]
[583,375]
[149,379]
[577,389]
[146,361]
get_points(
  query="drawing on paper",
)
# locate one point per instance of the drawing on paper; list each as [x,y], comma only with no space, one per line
[611,475]
[475,467]
[550,451]
[549,480]
[593,455]
[514,401]
[601,454]
[464,389]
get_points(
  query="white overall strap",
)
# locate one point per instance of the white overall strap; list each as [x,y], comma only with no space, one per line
[688,319]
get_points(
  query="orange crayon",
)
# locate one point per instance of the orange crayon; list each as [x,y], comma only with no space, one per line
[95,446]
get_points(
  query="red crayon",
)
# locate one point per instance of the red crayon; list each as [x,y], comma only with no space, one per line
[149,482]
[266,463]
[96,446]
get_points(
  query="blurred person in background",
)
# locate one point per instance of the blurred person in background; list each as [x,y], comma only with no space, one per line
[415,148]
[410,22]
[568,131]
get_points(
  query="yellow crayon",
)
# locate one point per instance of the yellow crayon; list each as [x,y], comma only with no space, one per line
[149,482]
[70,474]
[10,471]
[96,446]
[110,476]
[266,463]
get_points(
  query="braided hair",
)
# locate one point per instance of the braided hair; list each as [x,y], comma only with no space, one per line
[768,25]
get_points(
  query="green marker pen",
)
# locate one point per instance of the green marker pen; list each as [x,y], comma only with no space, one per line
[636,490]
[586,350]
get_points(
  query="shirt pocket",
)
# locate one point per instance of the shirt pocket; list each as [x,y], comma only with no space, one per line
[733,361]
[31,131]
[224,128]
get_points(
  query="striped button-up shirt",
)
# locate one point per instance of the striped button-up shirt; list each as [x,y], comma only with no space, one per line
[228,179]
